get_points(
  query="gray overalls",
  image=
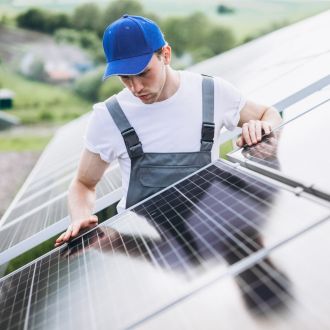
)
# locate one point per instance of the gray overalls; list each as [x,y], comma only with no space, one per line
[151,172]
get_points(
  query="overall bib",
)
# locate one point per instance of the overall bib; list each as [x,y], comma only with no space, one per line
[151,172]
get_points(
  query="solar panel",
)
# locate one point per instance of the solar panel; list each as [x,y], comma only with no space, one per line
[42,222]
[137,263]
[39,211]
[59,159]
[286,289]
[296,152]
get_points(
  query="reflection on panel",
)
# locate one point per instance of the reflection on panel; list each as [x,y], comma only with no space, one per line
[297,153]
[133,265]
[287,289]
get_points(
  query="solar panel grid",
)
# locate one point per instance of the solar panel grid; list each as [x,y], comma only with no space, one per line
[47,193]
[31,222]
[110,181]
[52,178]
[14,299]
[144,270]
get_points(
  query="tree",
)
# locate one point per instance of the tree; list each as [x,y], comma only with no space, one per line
[220,39]
[176,34]
[117,9]
[33,19]
[40,20]
[223,9]
[86,17]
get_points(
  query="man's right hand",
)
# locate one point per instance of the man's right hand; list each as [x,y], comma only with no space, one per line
[75,228]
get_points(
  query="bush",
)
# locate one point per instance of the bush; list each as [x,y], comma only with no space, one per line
[46,115]
[109,87]
[117,9]
[89,84]
[220,39]
[85,17]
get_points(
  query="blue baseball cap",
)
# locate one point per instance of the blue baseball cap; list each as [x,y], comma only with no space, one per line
[129,44]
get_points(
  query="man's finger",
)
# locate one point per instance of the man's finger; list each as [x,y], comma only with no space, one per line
[75,230]
[60,240]
[266,127]
[252,131]
[246,134]
[93,219]
[258,130]
[239,142]
[68,233]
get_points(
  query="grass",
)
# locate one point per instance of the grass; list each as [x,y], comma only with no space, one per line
[37,102]
[23,143]
[225,148]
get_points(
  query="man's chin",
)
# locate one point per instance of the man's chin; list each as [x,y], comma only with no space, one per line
[147,100]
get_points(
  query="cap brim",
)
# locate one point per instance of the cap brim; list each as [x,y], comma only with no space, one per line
[127,66]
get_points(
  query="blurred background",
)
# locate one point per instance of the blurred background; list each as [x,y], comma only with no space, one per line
[51,59]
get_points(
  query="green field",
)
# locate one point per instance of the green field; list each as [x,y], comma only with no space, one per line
[37,102]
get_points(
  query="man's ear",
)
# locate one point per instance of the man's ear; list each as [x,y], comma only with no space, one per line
[167,54]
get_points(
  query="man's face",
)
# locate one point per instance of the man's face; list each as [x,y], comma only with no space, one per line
[148,85]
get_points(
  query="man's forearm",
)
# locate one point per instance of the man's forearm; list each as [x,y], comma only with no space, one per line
[272,116]
[81,200]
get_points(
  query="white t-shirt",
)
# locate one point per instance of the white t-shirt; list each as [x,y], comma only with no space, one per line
[172,125]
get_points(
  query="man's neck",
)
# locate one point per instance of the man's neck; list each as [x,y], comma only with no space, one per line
[171,85]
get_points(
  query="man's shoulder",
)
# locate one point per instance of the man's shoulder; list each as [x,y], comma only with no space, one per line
[190,76]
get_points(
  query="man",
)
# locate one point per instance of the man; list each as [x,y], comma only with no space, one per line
[161,127]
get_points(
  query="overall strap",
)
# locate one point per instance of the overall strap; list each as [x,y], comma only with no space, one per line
[208,113]
[132,142]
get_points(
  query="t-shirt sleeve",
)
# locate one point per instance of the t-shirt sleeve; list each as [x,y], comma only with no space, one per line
[97,138]
[231,101]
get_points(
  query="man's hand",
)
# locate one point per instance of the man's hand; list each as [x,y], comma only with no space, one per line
[252,132]
[75,228]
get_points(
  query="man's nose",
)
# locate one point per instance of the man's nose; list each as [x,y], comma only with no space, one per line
[136,85]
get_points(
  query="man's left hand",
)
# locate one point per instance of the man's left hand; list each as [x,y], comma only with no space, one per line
[252,132]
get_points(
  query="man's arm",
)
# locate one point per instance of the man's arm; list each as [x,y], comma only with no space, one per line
[81,195]
[255,118]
